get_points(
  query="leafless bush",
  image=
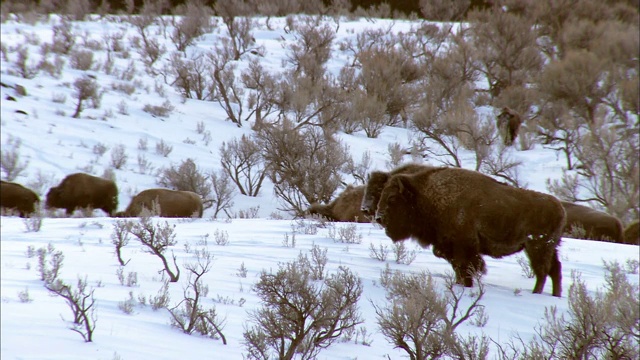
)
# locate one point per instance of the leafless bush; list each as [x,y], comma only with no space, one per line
[162,148]
[347,234]
[151,49]
[525,267]
[130,281]
[120,238]
[119,156]
[81,302]
[33,222]
[163,110]
[195,21]
[444,10]
[221,237]
[601,325]
[22,66]
[238,25]
[53,69]
[187,177]
[156,239]
[298,317]
[223,192]
[161,300]
[242,161]
[10,162]
[379,253]
[127,305]
[228,92]
[304,165]
[421,320]
[191,76]
[189,315]
[86,89]
[81,59]
[63,38]
[49,263]
[402,254]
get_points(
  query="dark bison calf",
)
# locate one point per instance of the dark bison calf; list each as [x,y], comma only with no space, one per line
[17,198]
[164,203]
[509,123]
[632,233]
[597,225]
[84,191]
[376,182]
[346,207]
[464,214]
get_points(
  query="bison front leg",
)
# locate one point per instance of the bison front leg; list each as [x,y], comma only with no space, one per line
[467,267]
[543,258]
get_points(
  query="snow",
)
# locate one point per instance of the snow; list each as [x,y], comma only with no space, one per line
[54,144]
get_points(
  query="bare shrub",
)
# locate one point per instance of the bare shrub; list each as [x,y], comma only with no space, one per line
[347,234]
[120,238]
[81,59]
[33,223]
[119,156]
[421,319]
[161,300]
[10,162]
[81,302]
[63,38]
[86,89]
[228,92]
[242,161]
[127,305]
[49,263]
[187,177]
[22,66]
[191,76]
[162,148]
[444,10]
[402,254]
[156,239]
[604,324]
[298,317]
[195,21]
[189,315]
[221,237]
[304,165]
[163,110]
[237,24]
[151,49]
[223,192]
[379,253]
[525,267]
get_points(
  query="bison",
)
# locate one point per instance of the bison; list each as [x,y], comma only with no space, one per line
[376,182]
[509,123]
[81,190]
[464,214]
[346,207]
[632,233]
[164,203]
[17,198]
[597,225]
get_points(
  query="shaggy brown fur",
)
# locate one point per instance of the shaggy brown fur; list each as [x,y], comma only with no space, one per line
[165,203]
[632,233]
[376,182]
[81,190]
[509,123]
[597,225]
[15,197]
[346,207]
[465,214]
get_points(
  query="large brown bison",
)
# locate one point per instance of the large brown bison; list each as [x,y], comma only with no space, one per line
[376,182]
[81,190]
[164,203]
[632,233]
[464,214]
[584,222]
[346,207]
[17,198]
[509,123]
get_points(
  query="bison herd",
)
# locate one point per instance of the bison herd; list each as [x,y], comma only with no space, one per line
[462,214]
[84,191]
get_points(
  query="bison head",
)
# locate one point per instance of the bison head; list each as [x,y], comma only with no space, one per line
[372,191]
[54,198]
[396,208]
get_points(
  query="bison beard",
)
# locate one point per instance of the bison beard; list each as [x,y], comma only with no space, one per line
[464,214]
